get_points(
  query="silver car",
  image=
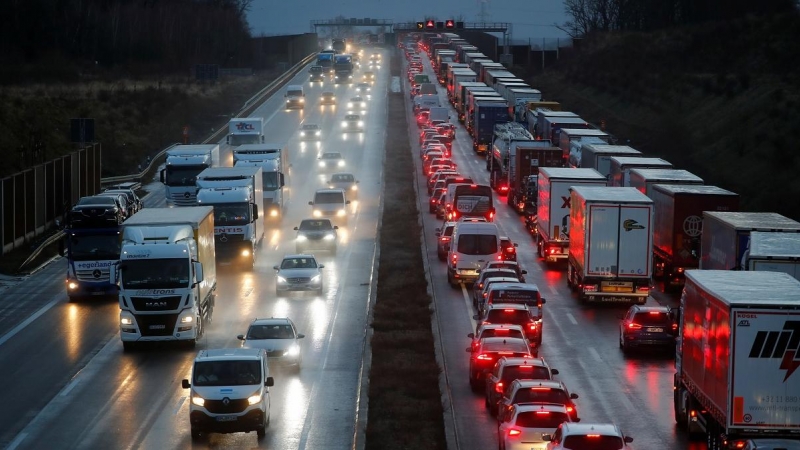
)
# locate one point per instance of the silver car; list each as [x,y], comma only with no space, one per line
[278,336]
[298,273]
[346,181]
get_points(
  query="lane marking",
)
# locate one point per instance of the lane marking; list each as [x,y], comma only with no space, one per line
[15,443]
[29,320]
[572,319]
[70,387]
[595,355]
[179,405]
[468,302]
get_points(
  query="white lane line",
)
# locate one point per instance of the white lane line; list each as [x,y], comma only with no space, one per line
[15,443]
[70,387]
[468,302]
[179,405]
[595,355]
[572,319]
[30,319]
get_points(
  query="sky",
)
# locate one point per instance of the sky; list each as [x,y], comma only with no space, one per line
[530,19]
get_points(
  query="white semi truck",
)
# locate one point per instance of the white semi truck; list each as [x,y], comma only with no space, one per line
[166,275]
[245,130]
[274,163]
[774,252]
[235,193]
[183,163]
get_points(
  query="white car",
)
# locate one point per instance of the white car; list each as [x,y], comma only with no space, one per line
[356,104]
[346,181]
[524,425]
[364,88]
[310,132]
[278,336]
[587,435]
[352,122]
[331,160]
[298,273]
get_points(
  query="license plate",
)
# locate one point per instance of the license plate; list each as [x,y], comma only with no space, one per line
[228,418]
[655,330]
[157,327]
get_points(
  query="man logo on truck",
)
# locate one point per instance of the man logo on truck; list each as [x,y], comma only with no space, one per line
[631,224]
[784,344]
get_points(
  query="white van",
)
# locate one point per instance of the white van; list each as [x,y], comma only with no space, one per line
[295,97]
[229,392]
[473,244]
[330,203]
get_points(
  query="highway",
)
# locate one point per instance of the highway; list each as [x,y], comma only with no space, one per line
[580,340]
[68,384]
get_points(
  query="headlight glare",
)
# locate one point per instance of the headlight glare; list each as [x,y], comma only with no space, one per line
[126,321]
[253,399]
[281,279]
[198,400]
[187,319]
[301,237]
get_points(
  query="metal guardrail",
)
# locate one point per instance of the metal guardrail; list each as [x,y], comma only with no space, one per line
[47,242]
[137,176]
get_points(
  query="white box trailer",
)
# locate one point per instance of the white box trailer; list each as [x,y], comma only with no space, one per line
[644,179]
[610,244]
[726,236]
[774,252]
[598,157]
[620,175]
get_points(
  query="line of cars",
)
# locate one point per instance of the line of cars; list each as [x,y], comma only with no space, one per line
[533,409]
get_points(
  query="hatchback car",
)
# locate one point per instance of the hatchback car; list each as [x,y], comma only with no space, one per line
[488,351]
[310,132]
[537,391]
[278,336]
[346,181]
[647,326]
[496,330]
[441,208]
[477,287]
[513,313]
[352,122]
[433,201]
[298,273]
[328,98]
[443,236]
[122,201]
[605,436]
[507,265]
[506,370]
[524,426]
[509,248]
[364,88]
[316,234]
[331,160]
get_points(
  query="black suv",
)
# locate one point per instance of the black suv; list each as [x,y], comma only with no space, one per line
[96,211]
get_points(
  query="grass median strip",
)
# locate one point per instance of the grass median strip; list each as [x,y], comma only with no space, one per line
[405,407]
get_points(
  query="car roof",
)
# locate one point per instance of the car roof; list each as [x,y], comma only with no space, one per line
[299,255]
[517,361]
[494,281]
[515,285]
[272,321]
[221,354]
[552,384]
[516,306]
[498,269]
[331,153]
[607,429]
[325,191]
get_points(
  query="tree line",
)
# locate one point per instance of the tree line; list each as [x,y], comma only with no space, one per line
[589,16]
[165,34]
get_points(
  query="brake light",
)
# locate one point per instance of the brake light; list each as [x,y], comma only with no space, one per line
[544,412]
[644,289]
[593,435]
[590,288]
[654,313]
[674,326]
[491,215]
[484,357]
[444,239]
[634,326]
[509,310]
[505,353]
[552,250]
[570,409]
[454,258]
[498,387]
[514,432]
[510,249]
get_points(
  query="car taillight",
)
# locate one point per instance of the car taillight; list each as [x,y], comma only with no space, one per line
[509,249]
[454,258]
[484,357]
[545,412]
[590,288]
[503,188]
[509,310]
[674,326]
[570,409]
[634,326]
[498,387]
[514,432]
[644,289]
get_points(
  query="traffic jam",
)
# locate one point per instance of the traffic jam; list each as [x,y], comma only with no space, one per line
[616,221]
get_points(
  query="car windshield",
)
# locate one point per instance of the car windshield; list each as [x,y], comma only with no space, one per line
[477,244]
[342,178]
[275,331]
[594,442]
[542,395]
[512,316]
[101,200]
[660,319]
[231,213]
[525,372]
[542,419]
[298,263]
[227,373]
[331,156]
[352,117]
[311,127]
[328,197]
[155,273]
[315,225]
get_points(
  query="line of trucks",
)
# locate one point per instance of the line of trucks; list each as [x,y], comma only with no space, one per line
[619,218]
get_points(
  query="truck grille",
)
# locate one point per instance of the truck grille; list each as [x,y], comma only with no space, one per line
[156,324]
[156,303]
[218,406]
[181,200]
[95,274]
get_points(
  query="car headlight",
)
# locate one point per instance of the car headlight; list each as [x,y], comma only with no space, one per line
[360,123]
[245,252]
[302,133]
[341,213]
[199,401]
[322,163]
[281,279]
[126,321]
[318,133]
[341,163]
[316,279]
[349,104]
[329,237]
[294,350]
[317,213]
[301,237]
[72,285]
[354,188]
[302,100]
[344,124]
[253,399]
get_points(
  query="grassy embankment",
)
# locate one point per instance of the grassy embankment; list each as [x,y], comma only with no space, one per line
[405,407]
[719,100]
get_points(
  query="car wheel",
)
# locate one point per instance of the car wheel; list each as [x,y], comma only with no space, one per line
[196,434]
[261,432]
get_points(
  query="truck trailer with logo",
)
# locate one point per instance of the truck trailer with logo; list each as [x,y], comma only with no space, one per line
[245,130]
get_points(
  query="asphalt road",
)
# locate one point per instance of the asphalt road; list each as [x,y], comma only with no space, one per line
[68,384]
[579,340]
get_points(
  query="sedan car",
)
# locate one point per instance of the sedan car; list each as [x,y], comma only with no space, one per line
[356,104]
[316,234]
[122,201]
[509,369]
[328,98]
[352,122]
[524,426]
[346,181]
[130,195]
[488,351]
[443,237]
[310,132]
[331,160]
[96,211]
[587,435]
[369,77]
[278,336]
[364,88]
[298,273]
[433,201]
[647,326]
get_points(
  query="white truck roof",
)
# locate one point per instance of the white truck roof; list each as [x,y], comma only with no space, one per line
[637,161]
[192,215]
[270,147]
[191,150]
[567,173]
[774,244]
[748,288]
[765,221]
[223,172]
[611,194]
[666,175]
[696,189]
[605,148]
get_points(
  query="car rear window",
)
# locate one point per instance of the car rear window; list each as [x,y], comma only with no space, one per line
[502,332]
[522,296]
[594,442]
[513,316]
[542,395]
[542,419]
[505,346]
[477,244]
[525,372]
[647,319]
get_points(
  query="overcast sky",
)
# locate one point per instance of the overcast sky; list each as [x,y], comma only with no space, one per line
[529,18]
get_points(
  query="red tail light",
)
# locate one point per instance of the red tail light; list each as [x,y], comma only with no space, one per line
[498,387]
[545,412]
[674,326]
[644,289]
[484,357]
[514,432]
[570,409]
[454,259]
[634,326]
[509,249]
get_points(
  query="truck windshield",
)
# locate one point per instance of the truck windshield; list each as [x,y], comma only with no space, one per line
[270,181]
[227,373]
[183,175]
[242,139]
[155,274]
[231,213]
[94,248]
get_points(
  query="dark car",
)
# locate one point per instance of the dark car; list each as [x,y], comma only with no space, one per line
[537,391]
[316,234]
[477,287]
[96,211]
[488,351]
[511,313]
[509,249]
[443,237]
[647,326]
[130,195]
[122,201]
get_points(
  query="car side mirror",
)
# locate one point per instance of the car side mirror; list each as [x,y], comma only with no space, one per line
[185,384]
[577,419]
[296,228]
[469,350]
[240,337]
[471,335]
[554,371]
[311,203]
[627,439]
[270,382]
[255,211]
[524,272]
[347,202]
[516,245]
[544,300]
[301,336]
[336,227]
[276,267]
[474,317]
[322,266]
[573,396]
[547,437]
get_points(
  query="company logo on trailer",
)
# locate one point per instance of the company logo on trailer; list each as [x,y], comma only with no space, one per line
[245,126]
[784,344]
[631,224]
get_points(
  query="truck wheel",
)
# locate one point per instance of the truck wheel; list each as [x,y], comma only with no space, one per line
[681,418]
[128,346]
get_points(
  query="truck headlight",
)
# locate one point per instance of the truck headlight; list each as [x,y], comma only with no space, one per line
[322,163]
[280,279]
[360,123]
[341,213]
[72,285]
[245,252]
[328,237]
[341,163]
[317,213]
[125,321]
[199,401]
[253,399]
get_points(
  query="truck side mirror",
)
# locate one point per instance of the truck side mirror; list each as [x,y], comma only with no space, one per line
[544,300]
[471,335]
[262,139]
[112,274]
[198,273]
[185,384]
[554,371]
[311,203]
[296,228]
[61,251]
[227,139]
[240,337]
[270,382]
[162,175]
[255,211]
[281,182]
